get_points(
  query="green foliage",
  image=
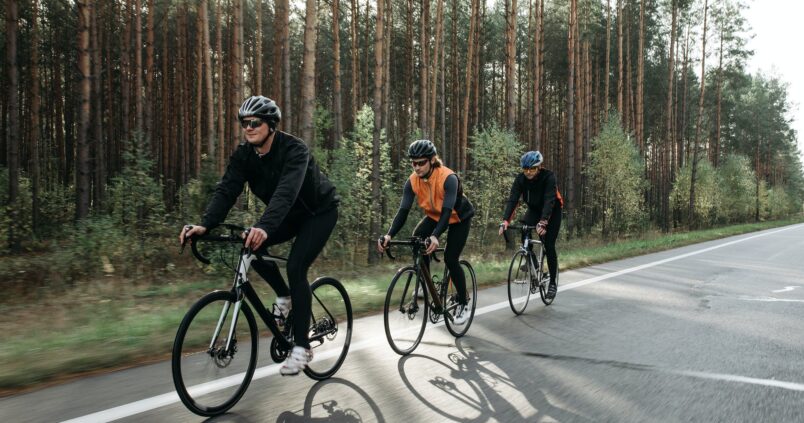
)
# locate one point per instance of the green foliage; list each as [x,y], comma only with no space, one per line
[495,162]
[781,203]
[351,174]
[135,197]
[17,215]
[194,196]
[707,194]
[737,184]
[616,180]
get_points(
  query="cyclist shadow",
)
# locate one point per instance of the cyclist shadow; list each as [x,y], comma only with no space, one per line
[334,406]
[490,388]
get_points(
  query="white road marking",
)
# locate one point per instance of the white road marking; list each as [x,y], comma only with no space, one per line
[154,402]
[786,289]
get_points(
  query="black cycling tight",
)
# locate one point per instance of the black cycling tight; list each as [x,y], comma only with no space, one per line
[311,235]
[457,234]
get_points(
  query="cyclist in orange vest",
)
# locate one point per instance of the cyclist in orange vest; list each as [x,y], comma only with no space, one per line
[439,193]
[537,187]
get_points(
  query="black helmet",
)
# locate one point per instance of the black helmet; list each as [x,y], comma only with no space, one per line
[421,148]
[260,107]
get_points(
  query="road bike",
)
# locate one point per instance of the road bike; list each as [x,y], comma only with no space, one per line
[215,350]
[527,272]
[414,297]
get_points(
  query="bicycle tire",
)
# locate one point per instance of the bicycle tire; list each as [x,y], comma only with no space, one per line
[330,309]
[544,284]
[519,282]
[203,394]
[471,292]
[403,308]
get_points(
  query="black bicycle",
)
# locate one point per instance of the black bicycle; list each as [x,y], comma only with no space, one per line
[215,350]
[527,273]
[414,297]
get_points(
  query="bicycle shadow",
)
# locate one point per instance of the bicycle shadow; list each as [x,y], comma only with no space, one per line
[336,406]
[484,388]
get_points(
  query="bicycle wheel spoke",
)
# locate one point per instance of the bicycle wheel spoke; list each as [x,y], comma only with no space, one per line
[519,282]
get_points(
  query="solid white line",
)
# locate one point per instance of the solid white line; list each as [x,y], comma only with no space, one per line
[151,403]
[742,379]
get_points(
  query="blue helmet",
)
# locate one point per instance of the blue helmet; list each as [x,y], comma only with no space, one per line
[531,159]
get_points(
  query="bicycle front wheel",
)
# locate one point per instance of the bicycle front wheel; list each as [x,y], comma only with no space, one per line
[215,353]
[330,328]
[519,282]
[453,300]
[405,313]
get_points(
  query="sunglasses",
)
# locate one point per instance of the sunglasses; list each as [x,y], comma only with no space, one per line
[530,169]
[253,123]
[419,163]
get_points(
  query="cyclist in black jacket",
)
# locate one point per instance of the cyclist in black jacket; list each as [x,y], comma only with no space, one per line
[537,187]
[301,203]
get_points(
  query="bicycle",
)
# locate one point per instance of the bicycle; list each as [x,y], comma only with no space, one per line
[527,274]
[212,366]
[414,294]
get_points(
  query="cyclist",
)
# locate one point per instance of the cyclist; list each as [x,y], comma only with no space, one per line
[301,203]
[440,194]
[537,187]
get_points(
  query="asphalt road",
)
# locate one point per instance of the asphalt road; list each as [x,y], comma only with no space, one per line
[712,332]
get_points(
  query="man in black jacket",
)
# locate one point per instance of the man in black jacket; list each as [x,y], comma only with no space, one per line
[537,187]
[301,203]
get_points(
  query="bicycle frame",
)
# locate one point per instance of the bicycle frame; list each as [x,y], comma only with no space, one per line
[423,273]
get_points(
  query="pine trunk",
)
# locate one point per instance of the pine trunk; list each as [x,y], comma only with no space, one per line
[13,137]
[308,73]
[571,116]
[699,122]
[620,64]
[463,138]
[510,63]
[35,114]
[337,110]
[379,66]
[83,182]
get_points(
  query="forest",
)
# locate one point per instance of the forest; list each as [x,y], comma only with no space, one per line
[118,116]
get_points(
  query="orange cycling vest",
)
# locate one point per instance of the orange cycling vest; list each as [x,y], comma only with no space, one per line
[430,193]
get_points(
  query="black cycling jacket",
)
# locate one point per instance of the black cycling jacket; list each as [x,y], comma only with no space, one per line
[287,179]
[540,194]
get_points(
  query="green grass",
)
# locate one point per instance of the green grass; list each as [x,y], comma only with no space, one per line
[107,324]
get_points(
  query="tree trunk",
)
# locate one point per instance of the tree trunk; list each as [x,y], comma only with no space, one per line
[149,74]
[571,116]
[424,65]
[208,72]
[375,156]
[668,141]
[620,73]
[606,91]
[308,73]
[699,122]
[138,65]
[258,49]
[12,28]
[438,52]
[35,114]
[337,110]
[355,60]
[463,138]
[282,79]
[719,94]
[641,80]
[100,150]
[510,63]
[82,182]
[223,144]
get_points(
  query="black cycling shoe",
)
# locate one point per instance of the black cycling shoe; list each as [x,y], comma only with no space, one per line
[552,289]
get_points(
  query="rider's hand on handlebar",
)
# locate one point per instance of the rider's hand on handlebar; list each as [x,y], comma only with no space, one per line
[255,238]
[541,228]
[188,231]
[382,243]
[432,245]
[503,227]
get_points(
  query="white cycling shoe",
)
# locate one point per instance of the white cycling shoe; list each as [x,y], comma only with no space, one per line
[297,360]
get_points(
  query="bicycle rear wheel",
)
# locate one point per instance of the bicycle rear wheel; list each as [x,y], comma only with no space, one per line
[214,353]
[544,280]
[330,328]
[405,314]
[519,282]
[452,300]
